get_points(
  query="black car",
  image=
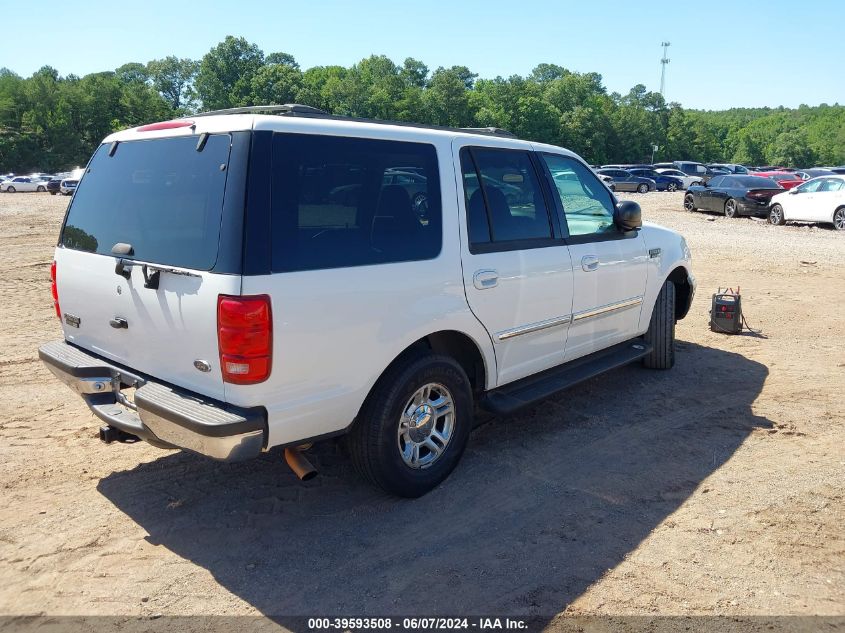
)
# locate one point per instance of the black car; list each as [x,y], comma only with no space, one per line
[733,195]
[53,186]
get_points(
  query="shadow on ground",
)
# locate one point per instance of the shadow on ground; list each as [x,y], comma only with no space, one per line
[541,506]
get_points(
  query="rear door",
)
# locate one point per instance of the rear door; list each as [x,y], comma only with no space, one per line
[148,245]
[824,201]
[517,270]
[609,267]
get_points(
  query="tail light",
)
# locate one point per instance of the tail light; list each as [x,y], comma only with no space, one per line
[54,289]
[245,338]
[761,195]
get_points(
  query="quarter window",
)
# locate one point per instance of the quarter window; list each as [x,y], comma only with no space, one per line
[503,198]
[340,202]
[586,203]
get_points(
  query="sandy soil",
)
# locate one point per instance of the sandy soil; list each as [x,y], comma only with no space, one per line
[715,488]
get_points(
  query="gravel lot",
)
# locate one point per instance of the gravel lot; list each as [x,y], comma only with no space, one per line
[715,488]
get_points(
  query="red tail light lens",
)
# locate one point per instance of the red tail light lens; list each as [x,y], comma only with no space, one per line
[54,289]
[245,338]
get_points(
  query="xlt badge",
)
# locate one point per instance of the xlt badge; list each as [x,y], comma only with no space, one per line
[72,321]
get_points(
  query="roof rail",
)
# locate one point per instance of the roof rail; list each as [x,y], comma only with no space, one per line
[494,131]
[288,108]
[296,109]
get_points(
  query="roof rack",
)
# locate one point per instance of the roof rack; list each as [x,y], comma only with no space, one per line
[287,108]
[296,109]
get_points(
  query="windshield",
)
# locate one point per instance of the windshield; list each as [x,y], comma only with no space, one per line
[162,196]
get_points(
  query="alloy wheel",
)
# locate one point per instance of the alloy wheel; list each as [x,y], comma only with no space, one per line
[839,219]
[426,425]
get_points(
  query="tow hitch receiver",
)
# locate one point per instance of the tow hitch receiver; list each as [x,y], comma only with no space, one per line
[109,434]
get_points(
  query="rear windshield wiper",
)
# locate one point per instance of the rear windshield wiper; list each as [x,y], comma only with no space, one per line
[152,272]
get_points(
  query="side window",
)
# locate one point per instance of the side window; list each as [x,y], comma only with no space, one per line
[586,203]
[830,184]
[810,186]
[503,198]
[339,202]
[719,181]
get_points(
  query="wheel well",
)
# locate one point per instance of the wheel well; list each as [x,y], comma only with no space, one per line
[683,292]
[458,346]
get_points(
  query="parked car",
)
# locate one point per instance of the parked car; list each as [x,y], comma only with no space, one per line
[677,173]
[817,200]
[785,179]
[275,316]
[623,180]
[731,168]
[688,167]
[54,185]
[733,195]
[68,186]
[663,182]
[23,183]
[838,170]
[814,172]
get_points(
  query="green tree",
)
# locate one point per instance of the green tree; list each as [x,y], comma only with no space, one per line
[173,78]
[226,73]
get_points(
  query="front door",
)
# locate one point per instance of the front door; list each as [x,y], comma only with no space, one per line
[610,267]
[516,267]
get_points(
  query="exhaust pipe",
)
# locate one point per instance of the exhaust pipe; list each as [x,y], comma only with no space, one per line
[298,463]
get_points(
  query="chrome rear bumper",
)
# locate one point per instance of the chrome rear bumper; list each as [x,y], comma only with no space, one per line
[160,413]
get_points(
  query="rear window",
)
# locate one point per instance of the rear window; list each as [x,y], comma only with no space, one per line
[340,202]
[756,182]
[162,196]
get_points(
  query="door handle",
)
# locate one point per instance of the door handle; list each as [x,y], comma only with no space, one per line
[589,263]
[484,279]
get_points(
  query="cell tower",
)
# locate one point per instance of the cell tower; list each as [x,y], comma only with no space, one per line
[665,60]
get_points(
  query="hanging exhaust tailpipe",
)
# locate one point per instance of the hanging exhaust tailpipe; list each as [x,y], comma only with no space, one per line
[298,463]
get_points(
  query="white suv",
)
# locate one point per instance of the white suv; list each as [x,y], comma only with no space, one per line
[239,281]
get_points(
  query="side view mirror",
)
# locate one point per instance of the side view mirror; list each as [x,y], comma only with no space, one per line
[628,216]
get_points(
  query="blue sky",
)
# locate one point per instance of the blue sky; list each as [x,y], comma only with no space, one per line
[722,55]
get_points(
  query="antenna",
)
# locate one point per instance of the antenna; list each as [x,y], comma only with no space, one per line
[664,60]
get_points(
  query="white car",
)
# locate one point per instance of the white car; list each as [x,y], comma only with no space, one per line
[818,200]
[677,173]
[23,183]
[216,296]
[68,186]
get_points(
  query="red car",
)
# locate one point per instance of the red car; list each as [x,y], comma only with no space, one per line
[785,179]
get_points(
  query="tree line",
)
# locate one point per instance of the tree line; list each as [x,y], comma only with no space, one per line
[50,123]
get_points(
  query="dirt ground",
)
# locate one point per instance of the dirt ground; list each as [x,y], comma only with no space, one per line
[714,488]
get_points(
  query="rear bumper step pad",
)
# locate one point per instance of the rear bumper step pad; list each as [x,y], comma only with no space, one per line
[161,412]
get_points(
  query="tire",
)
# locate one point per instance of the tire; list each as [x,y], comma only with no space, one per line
[11,190]
[776,215]
[41,189]
[730,208]
[671,187]
[839,219]
[382,452]
[661,330]
[53,193]
[642,188]
[689,202]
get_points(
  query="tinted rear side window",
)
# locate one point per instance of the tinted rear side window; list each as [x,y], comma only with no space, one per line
[161,196]
[339,202]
